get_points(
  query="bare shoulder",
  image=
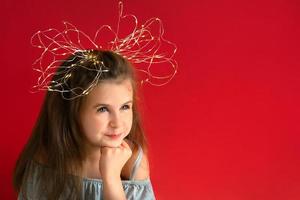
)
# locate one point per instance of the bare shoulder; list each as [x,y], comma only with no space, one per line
[143,170]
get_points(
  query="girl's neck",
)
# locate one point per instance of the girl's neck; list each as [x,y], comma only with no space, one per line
[90,164]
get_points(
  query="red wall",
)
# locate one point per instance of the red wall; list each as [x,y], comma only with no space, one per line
[227,126]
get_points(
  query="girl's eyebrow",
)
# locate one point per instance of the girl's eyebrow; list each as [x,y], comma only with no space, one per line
[103,104]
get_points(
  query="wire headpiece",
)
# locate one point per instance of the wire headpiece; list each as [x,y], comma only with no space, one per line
[141,46]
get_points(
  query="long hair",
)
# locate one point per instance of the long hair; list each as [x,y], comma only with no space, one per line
[56,136]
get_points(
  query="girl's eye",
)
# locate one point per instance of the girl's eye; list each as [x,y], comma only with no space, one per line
[125,107]
[102,109]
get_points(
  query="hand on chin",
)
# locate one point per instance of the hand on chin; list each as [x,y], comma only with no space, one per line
[114,144]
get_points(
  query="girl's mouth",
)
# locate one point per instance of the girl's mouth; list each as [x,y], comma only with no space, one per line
[114,136]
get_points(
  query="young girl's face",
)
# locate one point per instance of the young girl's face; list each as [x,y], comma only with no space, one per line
[106,113]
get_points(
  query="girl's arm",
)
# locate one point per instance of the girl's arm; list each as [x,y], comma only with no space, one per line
[113,189]
[111,162]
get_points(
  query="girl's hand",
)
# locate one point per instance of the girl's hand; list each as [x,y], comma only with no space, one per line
[112,160]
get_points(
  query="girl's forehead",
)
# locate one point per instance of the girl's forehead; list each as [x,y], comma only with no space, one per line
[112,91]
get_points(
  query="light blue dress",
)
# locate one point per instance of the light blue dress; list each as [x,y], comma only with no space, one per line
[92,188]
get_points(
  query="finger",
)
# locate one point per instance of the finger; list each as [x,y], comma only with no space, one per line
[130,143]
[124,144]
[102,149]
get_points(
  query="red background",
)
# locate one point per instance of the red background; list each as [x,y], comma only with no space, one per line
[226,127]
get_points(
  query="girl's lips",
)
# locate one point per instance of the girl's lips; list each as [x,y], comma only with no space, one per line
[114,136]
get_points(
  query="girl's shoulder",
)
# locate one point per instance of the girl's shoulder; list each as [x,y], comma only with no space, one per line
[142,170]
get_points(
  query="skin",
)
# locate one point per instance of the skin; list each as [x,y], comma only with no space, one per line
[107,110]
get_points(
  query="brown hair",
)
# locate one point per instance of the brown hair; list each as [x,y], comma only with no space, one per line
[56,136]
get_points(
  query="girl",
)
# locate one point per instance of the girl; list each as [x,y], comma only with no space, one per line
[88,141]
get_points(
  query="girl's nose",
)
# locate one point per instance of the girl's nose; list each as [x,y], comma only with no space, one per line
[115,121]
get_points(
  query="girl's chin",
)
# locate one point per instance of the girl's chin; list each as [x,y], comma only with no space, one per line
[111,144]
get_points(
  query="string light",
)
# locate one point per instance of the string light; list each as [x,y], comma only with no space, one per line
[141,47]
